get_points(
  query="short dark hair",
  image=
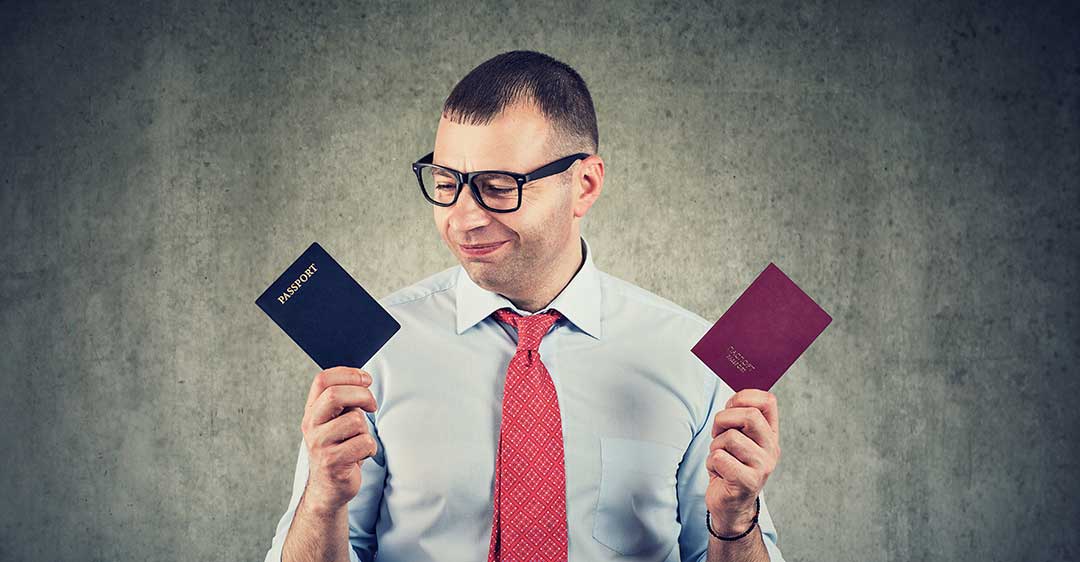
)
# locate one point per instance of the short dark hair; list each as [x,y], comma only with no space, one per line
[529,77]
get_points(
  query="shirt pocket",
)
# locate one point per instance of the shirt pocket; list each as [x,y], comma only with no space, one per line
[637,506]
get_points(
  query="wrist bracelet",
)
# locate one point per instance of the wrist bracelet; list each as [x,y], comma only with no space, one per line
[757,511]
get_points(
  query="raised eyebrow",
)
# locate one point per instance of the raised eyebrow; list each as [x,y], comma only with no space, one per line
[500,171]
[477,171]
[441,171]
[433,162]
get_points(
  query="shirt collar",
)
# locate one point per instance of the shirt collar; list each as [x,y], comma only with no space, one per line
[580,301]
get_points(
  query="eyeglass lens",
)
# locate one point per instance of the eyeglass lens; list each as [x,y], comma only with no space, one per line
[498,191]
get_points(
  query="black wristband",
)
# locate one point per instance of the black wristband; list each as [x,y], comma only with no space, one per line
[757,511]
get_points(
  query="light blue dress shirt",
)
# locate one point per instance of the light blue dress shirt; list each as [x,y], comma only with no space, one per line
[637,410]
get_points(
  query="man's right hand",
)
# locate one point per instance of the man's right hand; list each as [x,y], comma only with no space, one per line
[336,434]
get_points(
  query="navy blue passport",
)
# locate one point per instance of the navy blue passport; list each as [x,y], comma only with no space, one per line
[326,312]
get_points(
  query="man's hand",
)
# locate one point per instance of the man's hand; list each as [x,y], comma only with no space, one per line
[336,435]
[744,452]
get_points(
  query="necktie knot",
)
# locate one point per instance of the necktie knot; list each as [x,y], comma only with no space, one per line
[530,329]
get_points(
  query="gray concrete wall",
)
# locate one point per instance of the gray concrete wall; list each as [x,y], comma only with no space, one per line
[913,167]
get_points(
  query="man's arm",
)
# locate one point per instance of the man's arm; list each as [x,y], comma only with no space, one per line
[751,548]
[751,551]
[356,522]
[696,544]
[306,527]
[335,505]
[311,536]
[308,533]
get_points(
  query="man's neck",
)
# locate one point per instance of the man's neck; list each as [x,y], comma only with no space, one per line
[543,297]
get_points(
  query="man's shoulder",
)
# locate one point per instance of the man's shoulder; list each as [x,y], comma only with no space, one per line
[659,329]
[623,295]
[423,290]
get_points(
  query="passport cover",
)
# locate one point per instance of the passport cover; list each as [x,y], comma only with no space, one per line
[326,312]
[767,328]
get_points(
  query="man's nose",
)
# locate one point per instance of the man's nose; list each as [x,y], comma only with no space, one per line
[466,213]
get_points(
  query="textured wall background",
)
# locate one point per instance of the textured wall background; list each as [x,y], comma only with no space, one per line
[913,167]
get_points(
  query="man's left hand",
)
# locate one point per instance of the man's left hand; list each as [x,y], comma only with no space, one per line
[744,452]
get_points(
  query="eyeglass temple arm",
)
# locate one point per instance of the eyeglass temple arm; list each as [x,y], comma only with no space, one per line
[557,166]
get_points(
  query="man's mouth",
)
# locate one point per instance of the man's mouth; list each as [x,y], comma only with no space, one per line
[479,246]
[480,249]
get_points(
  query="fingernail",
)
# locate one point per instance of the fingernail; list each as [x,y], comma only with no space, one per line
[367,378]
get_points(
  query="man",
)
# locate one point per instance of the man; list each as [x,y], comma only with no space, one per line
[532,407]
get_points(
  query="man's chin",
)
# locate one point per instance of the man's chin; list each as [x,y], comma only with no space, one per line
[480,273]
[484,275]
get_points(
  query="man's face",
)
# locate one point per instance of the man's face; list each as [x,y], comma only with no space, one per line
[532,239]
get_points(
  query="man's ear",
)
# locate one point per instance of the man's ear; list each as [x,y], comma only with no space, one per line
[588,183]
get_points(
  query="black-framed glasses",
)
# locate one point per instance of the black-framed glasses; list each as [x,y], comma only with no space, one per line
[498,191]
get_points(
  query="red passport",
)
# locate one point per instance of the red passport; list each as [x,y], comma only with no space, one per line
[770,325]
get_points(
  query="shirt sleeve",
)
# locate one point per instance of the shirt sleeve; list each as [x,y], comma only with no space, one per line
[693,479]
[363,508]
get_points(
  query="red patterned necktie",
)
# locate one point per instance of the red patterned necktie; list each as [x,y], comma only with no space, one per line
[529,521]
